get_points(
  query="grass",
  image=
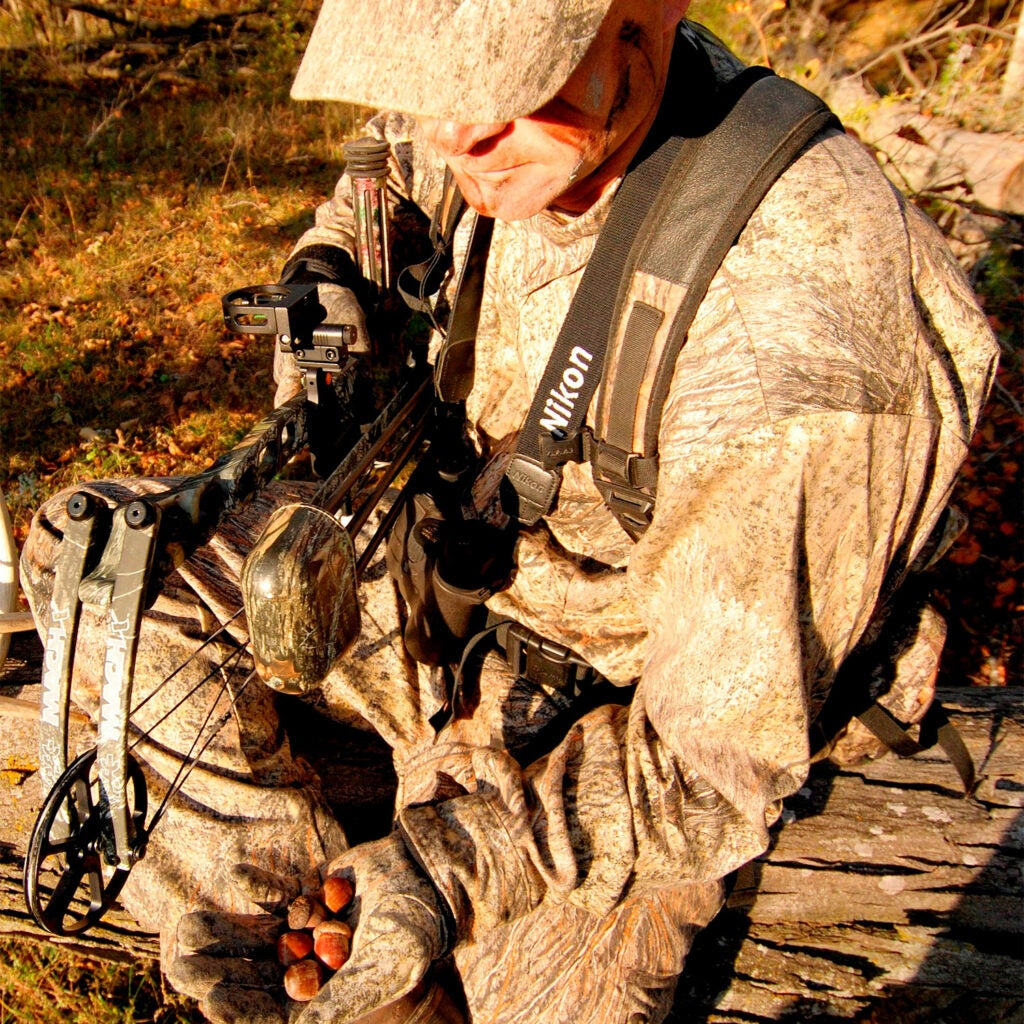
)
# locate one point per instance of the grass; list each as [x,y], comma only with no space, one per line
[41,984]
[122,222]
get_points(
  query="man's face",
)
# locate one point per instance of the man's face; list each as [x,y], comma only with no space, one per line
[566,153]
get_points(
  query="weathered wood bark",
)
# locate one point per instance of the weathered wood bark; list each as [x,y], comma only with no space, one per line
[20,800]
[887,896]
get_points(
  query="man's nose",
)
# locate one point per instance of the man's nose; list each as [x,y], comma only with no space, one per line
[456,139]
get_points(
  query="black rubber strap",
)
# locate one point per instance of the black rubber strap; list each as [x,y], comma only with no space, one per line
[417,284]
[322,264]
[456,362]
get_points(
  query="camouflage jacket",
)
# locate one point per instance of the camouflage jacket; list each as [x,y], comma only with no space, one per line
[818,414]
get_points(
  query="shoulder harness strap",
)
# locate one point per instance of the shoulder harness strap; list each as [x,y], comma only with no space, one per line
[714,187]
[678,212]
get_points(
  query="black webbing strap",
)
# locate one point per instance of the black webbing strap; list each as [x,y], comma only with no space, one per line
[573,371]
[676,215]
[453,371]
[718,183]
[935,729]
[551,434]
[419,282]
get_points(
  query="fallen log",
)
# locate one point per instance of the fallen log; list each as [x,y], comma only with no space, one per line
[21,797]
[887,896]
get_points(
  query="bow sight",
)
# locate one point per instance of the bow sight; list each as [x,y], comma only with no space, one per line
[93,825]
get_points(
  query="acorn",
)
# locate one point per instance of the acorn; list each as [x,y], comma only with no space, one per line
[302,980]
[292,946]
[332,942]
[305,912]
[337,893]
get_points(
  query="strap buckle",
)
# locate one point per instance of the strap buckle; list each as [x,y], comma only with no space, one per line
[537,487]
[558,671]
[633,507]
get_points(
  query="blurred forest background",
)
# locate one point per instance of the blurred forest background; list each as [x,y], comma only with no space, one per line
[152,161]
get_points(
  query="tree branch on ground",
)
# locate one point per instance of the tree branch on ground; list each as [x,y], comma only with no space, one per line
[152,27]
[924,39]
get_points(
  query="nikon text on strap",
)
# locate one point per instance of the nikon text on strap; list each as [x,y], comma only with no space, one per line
[675,217]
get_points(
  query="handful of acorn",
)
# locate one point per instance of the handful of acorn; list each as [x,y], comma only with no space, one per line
[316,944]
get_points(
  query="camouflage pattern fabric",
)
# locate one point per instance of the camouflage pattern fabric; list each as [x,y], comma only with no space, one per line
[818,414]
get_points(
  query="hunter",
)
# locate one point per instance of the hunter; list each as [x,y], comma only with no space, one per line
[557,845]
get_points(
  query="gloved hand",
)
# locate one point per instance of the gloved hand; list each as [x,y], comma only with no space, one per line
[400,926]
[228,962]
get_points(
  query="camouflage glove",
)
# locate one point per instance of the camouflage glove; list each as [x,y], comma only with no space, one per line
[228,962]
[401,925]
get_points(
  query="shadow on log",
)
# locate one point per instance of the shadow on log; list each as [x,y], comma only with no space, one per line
[886,897]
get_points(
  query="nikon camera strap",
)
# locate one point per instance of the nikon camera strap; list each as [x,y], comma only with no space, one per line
[676,215]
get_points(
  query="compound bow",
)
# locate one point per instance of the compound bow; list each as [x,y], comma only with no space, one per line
[93,825]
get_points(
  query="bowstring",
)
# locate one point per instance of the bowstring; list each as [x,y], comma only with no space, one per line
[226,667]
[229,663]
[188,661]
[192,757]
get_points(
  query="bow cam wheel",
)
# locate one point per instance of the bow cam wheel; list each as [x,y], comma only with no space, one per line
[72,875]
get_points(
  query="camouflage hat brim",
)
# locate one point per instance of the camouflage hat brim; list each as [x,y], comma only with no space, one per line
[457,60]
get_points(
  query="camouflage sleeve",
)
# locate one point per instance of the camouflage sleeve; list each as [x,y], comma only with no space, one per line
[325,253]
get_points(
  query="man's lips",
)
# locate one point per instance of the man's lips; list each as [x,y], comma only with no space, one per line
[490,172]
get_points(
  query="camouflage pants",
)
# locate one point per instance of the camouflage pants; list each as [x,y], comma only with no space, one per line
[254,798]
